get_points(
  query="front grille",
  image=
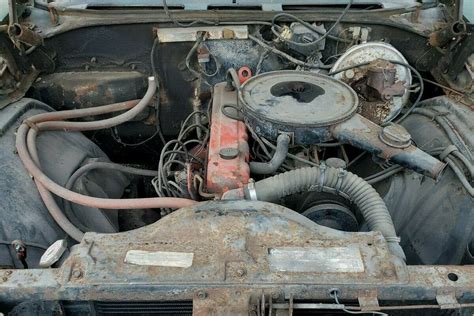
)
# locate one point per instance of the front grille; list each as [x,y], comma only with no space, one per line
[144,308]
[128,308]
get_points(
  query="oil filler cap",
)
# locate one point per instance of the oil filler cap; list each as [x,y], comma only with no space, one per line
[395,135]
[228,153]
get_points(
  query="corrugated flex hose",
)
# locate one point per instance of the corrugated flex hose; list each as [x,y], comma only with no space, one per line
[338,181]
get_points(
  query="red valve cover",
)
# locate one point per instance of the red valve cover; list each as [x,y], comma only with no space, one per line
[228,158]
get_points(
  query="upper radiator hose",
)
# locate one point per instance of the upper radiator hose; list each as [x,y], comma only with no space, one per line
[338,181]
[281,151]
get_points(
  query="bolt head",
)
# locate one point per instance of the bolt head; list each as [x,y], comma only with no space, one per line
[388,273]
[240,272]
[349,73]
[77,274]
[202,295]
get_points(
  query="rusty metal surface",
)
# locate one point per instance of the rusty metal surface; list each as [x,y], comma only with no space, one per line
[173,35]
[24,34]
[298,98]
[9,72]
[230,242]
[303,104]
[69,90]
[73,18]
[314,108]
[362,133]
[368,52]
[381,78]
[15,79]
[228,157]
[265,5]
[425,21]
[447,33]
[377,89]
[21,89]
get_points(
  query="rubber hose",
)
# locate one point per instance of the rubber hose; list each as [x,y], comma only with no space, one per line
[450,132]
[38,174]
[460,174]
[233,77]
[53,208]
[34,168]
[465,161]
[281,151]
[81,113]
[48,199]
[100,124]
[368,201]
[100,165]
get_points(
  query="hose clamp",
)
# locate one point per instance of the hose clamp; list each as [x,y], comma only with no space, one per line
[252,191]
[340,178]
[322,175]
[393,239]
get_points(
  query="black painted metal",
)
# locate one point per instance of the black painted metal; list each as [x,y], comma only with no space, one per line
[303,104]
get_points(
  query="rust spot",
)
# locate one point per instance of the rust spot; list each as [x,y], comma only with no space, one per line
[228,34]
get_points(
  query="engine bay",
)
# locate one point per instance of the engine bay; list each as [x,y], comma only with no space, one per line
[274,151]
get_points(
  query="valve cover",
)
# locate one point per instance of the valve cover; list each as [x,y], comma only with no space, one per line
[228,156]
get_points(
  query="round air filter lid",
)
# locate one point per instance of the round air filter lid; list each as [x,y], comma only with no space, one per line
[298,98]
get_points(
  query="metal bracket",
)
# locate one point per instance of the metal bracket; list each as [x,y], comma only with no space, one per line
[174,35]
[360,34]
[447,301]
[369,303]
